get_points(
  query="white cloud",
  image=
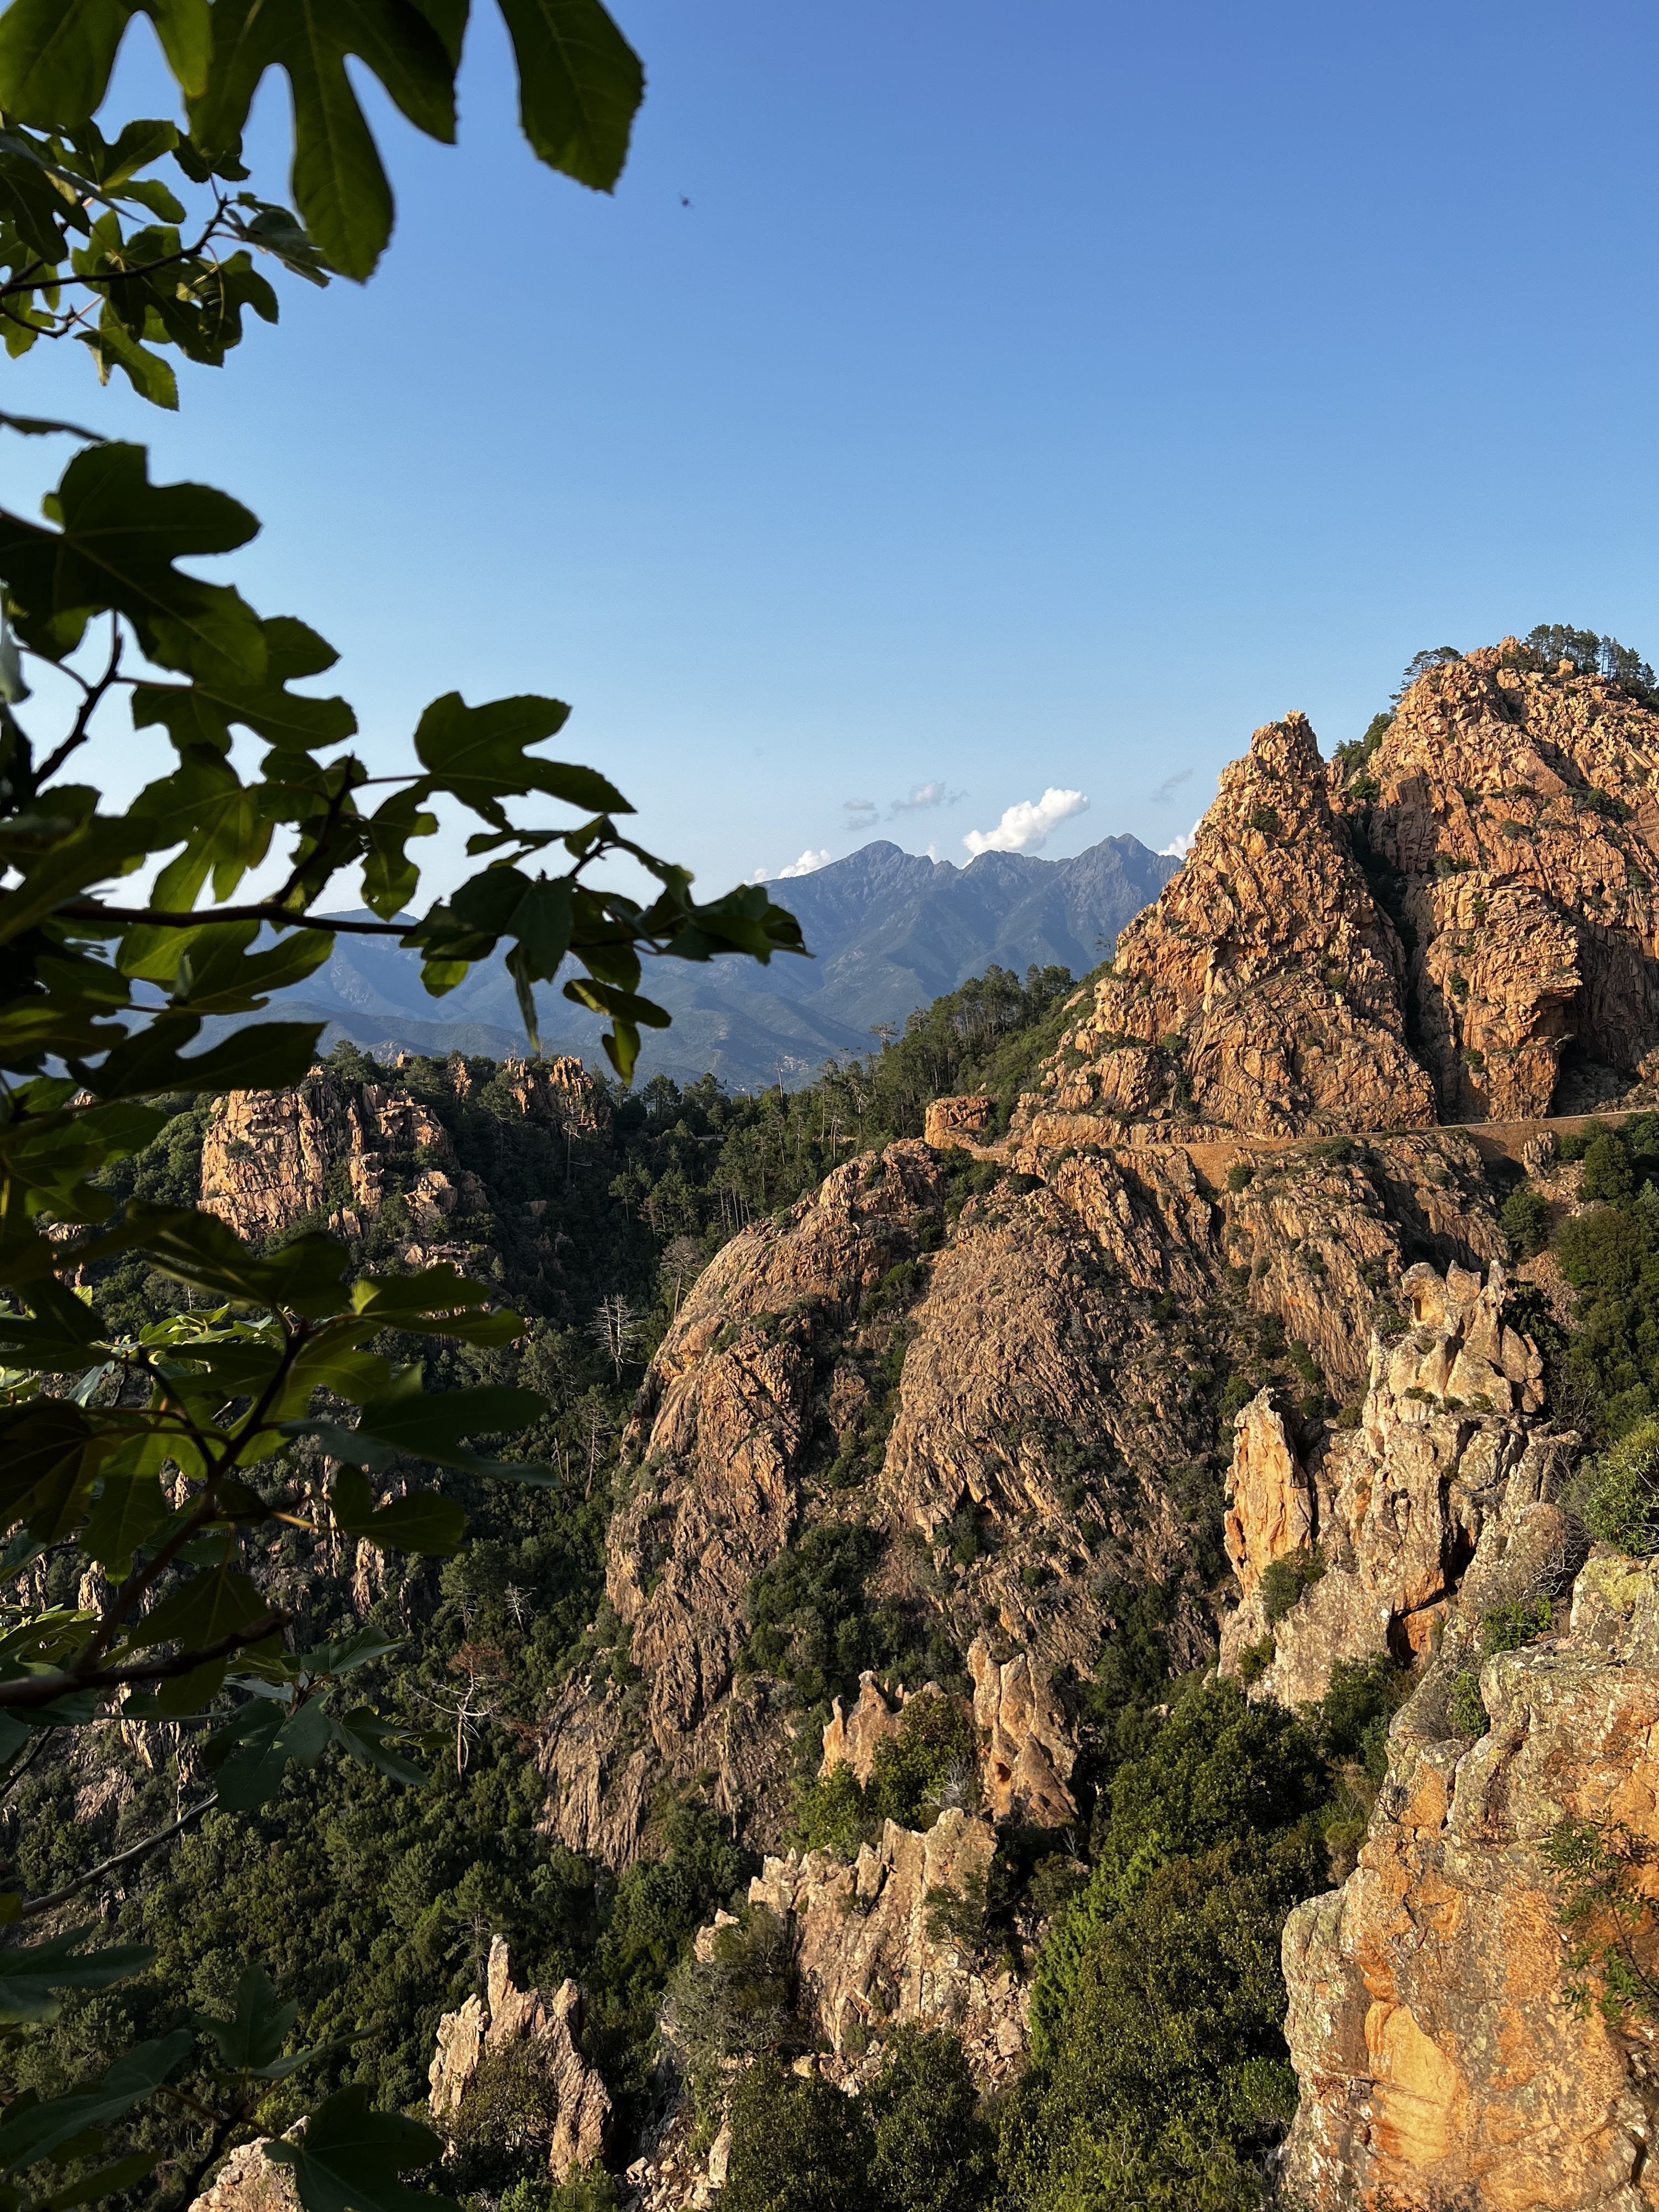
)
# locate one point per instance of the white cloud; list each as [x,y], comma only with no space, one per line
[933,793]
[1182,846]
[1025,828]
[808,865]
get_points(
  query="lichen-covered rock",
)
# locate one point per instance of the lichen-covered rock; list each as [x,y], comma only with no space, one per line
[1442,2059]
[550,2024]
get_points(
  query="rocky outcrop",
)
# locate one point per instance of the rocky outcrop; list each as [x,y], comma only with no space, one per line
[968,1121]
[551,2026]
[1511,817]
[1062,1341]
[1444,2060]
[1464,929]
[1390,1515]
[334,1153]
[559,1092]
[851,1739]
[248,2181]
[1028,1753]
[743,1382]
[1263,991]
[1271,1512]
[873,1951]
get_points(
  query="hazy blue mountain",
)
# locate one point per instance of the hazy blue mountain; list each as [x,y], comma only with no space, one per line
[890,931]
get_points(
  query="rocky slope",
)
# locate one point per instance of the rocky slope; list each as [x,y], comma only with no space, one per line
[1227,1315]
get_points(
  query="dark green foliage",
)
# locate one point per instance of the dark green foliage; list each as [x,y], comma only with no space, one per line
[914,2141]
[1606,1379]
[933,1753]
[1512,1627]
[805,1610]
[1524,1218]
[829,1812]
[1604,1903]
[1618,1493]
[737,2002]
[797,2145]
[1357,752]
[928,1762]
[590,2192]
[1285,1582]
[1420,664]
[1546,646]
[1165,2077]
[1353,1716]
[1607,1172]
[934,2150]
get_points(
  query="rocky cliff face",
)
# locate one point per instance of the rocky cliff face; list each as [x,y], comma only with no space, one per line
[1464,931]
[1442,2058]
[334,1153]
[1048,1441]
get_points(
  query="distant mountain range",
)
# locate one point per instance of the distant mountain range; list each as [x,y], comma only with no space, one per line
[890,931]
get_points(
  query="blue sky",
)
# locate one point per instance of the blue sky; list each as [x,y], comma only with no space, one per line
[1029,399]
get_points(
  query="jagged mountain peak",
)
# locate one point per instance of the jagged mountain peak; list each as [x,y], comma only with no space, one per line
[1456,927]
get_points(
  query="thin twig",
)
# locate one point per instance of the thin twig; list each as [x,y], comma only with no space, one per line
[27,283]
[78,735]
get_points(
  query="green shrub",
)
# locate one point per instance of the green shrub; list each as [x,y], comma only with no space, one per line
[1240,1177]
[931,1757]
[1618,1497]
[829,1812]
[1467,1713]
[934,2150]
[1255,1660]
[1352,1719]
[1512,1627]
[797,2145]
[591,2189]
[1607,1172]
[1167,2070]
[1524,1218]
[738,2000]
[1285,1581]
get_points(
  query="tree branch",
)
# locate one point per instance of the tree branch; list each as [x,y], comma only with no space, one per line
[33,1905]
[29,1691]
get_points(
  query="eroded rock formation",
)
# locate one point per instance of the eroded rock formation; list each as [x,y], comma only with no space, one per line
[1390,1514]
[550,2026]
[334,1153]
[872,1952]
[1263,991]
[1463,929]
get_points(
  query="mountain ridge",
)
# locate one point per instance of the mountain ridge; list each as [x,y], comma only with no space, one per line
[890,931]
